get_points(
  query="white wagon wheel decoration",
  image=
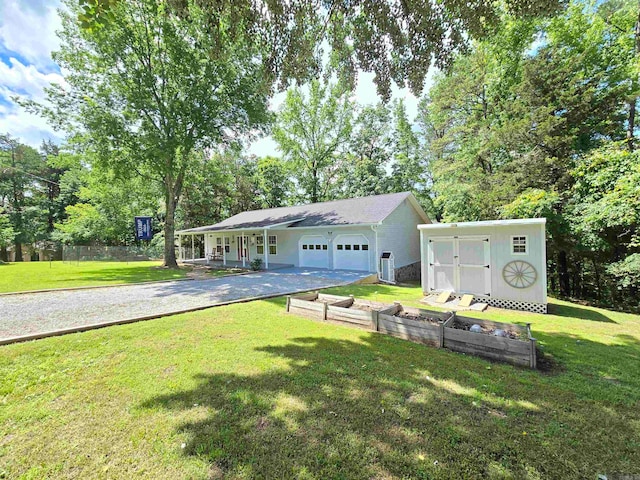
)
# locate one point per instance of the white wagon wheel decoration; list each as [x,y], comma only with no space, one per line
[519,274]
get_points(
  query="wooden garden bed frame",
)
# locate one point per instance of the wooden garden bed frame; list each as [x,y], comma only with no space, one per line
[384,318]
[516,351]
[415,330]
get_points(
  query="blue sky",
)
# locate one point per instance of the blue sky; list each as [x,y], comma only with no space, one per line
[27,38]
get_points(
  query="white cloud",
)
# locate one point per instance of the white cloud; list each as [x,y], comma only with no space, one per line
[29,29]
[27,37]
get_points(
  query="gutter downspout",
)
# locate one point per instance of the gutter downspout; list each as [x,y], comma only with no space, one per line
[375,230]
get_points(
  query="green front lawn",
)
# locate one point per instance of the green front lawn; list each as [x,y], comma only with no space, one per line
[246,391]
[17,277]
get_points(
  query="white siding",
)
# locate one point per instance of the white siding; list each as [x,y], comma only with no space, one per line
[399,234]
[501,254]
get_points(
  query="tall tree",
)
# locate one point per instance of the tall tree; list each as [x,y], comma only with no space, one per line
[397,40]
[156,84]
[274,184]
[311,131]
[364,172]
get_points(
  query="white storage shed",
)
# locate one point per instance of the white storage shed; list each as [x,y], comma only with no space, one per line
[500,262]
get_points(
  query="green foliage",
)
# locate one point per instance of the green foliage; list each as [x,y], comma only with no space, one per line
[256,264]
[274,183]
[312,131]
[7,234]
[397,41]
[146,92]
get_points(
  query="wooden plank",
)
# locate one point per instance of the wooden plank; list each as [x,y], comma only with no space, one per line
[343,303]
[349,319]
[313,306]
[488,341]
[350,313]
[324,297]
[306,296]
[420,335]
[306,313]
[518,359]
[431,332]
[407,321]
[374,321]
[288,302]
[391,310]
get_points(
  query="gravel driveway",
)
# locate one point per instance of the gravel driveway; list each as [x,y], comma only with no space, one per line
[33,313]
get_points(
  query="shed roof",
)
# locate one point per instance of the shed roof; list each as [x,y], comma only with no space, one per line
[485,223]
[353,211]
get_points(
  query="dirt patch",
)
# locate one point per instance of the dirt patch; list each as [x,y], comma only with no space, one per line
[513,334]
[419,318]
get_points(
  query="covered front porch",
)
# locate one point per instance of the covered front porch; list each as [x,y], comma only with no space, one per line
[229,248]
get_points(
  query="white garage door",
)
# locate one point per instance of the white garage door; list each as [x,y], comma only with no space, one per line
[351,252]
[314,251]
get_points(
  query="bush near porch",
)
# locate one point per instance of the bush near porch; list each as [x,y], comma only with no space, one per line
[246,391]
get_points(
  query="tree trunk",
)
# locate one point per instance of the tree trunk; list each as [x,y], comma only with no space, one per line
[596,273]
[4,254]
[563,274]
[169,230]
[18,247]
[634,85]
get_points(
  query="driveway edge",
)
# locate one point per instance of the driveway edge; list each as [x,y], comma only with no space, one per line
[95,326]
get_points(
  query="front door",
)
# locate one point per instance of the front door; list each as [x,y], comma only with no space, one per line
[243,248]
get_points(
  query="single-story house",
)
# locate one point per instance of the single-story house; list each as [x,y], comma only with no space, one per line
[500,262]
[375,234]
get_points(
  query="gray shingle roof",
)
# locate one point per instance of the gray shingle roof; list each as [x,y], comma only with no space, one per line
[352,211]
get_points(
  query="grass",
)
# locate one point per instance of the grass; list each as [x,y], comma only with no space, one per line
[246,391]
[20,277]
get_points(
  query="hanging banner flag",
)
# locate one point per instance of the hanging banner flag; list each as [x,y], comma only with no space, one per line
[143,228]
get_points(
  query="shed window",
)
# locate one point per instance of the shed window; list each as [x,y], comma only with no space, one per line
[519,245]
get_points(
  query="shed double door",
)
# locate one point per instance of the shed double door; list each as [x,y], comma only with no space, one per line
[460,264]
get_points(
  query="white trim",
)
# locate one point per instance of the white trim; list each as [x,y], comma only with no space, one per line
[526,245]
[277,225]
[487,223]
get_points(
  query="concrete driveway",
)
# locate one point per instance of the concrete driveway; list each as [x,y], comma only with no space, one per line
[35,313]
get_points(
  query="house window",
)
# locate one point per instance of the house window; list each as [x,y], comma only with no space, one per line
[219,245]
[339,247]
[304,247]
[227,246]
[519,245]
[356,247]
[347,247]
[365,247]
[260,245]
[273,245]
[324,247]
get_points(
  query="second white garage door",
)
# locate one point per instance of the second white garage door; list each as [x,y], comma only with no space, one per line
[351,252]
[314,251]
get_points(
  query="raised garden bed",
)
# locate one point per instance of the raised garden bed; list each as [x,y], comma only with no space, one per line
[517,346]
[416,324]
[313,305]
[361,313]
[441,329]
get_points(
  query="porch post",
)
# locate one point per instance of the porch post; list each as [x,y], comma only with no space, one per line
[193,247]
[224,251]
[266,249]
[242,248]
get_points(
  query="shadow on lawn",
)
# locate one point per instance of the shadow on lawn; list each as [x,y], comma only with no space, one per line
[385,408]
[575,311]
